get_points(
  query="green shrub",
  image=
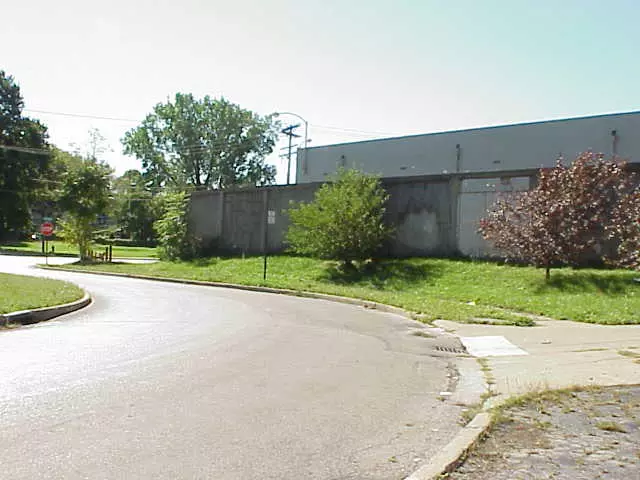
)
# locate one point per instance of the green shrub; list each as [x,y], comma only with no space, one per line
[345,220]
[175,241]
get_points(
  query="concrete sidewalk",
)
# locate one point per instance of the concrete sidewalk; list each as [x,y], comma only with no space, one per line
[554,354]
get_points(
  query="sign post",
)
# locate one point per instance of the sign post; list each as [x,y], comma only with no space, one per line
[46,229]
[271,220]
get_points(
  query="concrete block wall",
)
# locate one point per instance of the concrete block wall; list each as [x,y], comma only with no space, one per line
[432,215]
[422,210]
[236,220]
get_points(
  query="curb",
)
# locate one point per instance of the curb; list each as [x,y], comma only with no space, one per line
[28,253]
[454,453]
[252,288]
[448,459]
[29,317]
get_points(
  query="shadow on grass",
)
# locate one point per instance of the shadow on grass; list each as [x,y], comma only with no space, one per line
[14,244]
[20,253]
[203,262]
[382,274]
[609,283]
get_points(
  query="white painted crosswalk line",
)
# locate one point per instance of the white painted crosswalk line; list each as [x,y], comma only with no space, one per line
[491,346]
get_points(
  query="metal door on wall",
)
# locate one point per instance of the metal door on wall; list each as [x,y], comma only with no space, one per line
[243,221]
[476,197]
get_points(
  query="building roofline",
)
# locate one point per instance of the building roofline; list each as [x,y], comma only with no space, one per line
[475,129]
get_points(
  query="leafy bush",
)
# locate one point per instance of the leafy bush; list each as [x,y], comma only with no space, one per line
[345,220]
[84,195]
[175,240]
[77,230]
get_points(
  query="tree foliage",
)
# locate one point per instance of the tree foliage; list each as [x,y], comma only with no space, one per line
[135,207]
[94,148]
[78,231]
[83,195]
[175,240]
[626,221]
[345,220]
[567,218]
[203,144]
[24,159]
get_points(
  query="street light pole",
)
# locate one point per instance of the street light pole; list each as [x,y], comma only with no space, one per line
[306,132]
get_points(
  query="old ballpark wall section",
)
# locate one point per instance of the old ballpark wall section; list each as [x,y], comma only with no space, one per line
[432,215]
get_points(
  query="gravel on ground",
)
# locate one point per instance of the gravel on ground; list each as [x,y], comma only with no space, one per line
[593,433]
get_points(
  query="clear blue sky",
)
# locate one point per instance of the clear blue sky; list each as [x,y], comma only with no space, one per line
[395,66]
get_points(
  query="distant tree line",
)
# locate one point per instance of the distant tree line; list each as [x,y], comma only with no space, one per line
[184,145]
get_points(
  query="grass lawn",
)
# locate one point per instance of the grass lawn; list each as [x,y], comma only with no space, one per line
[437,288]
[66,248]
[18,292]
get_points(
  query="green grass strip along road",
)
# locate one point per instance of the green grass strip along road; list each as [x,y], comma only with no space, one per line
[18,292]
[65,248]
[449,289]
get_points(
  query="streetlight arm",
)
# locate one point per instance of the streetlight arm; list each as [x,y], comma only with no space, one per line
[306,134]
[306,125]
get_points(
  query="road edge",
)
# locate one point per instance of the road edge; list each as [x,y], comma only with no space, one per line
[450,457]
[445,461]
[36,315]
[254,288]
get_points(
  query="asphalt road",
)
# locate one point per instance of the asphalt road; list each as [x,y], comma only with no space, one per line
[166,381]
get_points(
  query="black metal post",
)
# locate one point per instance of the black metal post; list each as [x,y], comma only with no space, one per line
[265,225]
[266,249]
[264,269]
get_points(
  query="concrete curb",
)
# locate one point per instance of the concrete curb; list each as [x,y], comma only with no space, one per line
[27,253]
[252,288]
[28,317]
[448,459]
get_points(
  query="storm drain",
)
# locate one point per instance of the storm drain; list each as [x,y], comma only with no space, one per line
[444,348]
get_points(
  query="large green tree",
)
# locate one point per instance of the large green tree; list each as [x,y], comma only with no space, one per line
[24,159]
[203,144]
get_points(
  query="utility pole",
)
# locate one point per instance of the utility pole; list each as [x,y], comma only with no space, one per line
[288,131]
[306,136]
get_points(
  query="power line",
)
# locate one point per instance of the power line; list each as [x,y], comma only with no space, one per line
[352,130]
[131,120]
[78,115]
[35,151]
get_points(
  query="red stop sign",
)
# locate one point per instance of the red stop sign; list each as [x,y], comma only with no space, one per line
[46,229]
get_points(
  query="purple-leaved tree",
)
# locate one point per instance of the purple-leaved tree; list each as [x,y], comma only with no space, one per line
[626,228]
[569,216]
